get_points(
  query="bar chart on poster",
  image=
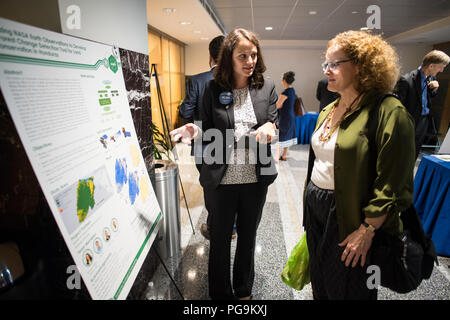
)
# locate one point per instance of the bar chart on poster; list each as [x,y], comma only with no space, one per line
[68,101]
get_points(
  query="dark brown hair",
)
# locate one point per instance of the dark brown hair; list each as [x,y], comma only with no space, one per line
[224,74]
[214,47]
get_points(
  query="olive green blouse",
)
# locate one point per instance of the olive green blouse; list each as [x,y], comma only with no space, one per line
[359,191]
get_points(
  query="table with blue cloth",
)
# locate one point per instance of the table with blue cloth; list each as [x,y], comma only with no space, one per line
[304,127]
[432,200]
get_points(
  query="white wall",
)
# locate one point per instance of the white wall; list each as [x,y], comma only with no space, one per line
[113,22]
[411,56]
[197,58]
[302,57]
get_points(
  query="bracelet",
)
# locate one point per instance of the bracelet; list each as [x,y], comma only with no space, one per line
[368,226]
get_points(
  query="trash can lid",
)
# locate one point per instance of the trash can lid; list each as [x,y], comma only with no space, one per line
[165,169]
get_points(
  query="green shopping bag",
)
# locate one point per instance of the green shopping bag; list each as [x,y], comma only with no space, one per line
[296,271]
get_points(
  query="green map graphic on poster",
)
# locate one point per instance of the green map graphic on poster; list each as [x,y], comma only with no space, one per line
[80,200]
[85,197]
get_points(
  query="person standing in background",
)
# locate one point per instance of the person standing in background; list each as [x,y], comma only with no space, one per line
[416,88]
[325,96]
[286,116]
[190,108]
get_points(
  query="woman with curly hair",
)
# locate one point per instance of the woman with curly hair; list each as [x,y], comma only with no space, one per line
[354,189]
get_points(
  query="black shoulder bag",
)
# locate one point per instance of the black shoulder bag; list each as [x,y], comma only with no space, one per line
[406,259]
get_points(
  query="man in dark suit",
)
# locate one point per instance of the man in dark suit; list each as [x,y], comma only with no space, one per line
[189,109]
[325,96]
[416,88]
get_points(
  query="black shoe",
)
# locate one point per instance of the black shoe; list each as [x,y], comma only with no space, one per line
[204,231]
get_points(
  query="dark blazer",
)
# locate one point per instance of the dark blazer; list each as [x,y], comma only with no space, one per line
[189,109]
[325,96]
[216,115]
[409,91]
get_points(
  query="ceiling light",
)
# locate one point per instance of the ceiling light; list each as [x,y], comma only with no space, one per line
[364,29]
[312,12]
[185,23]
[269,28]
[169,10]
[354,12]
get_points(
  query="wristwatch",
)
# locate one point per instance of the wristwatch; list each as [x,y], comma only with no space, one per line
[369,227]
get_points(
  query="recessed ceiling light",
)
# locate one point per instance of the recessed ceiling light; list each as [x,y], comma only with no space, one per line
[269,28]
[169,10]
[364,29]
[354,12]
[312,12]
[185,23]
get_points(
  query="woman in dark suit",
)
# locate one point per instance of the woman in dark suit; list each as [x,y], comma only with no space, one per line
[238,115]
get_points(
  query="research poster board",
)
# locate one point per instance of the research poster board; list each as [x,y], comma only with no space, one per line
[68,101]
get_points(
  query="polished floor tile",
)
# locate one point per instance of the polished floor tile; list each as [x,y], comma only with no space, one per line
[279,231]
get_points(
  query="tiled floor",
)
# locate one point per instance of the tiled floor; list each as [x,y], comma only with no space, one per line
[279,231]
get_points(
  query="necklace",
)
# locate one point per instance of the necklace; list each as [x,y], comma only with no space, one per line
[328,130]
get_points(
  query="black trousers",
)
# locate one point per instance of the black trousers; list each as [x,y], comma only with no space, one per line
[330,278]
[223,203]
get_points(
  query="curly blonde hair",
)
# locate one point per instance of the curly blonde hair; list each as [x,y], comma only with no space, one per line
[376,59]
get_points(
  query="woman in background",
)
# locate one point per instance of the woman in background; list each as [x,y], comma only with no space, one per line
[286,114]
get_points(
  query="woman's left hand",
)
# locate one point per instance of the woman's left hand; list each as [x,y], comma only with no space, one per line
[356,245]
[265,133]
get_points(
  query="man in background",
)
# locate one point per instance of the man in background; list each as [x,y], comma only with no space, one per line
[189,109]
[416,88]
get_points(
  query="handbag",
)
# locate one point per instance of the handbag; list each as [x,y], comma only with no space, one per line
[298,107]
[296,271]
[406,259]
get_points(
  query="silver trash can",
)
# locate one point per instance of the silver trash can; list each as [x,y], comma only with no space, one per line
[168,194]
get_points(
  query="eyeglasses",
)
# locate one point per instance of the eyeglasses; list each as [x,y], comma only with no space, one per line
[333,65]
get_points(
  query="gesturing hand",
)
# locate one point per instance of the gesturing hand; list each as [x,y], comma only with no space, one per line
[356,245]
[186,133]
[433,85]
[265,133]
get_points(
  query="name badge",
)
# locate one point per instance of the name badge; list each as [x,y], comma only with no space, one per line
[226,97]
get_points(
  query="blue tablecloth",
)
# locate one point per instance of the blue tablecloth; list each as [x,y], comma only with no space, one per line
[304,127]
[432,200]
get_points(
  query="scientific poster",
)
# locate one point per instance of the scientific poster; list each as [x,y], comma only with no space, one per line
[68,102]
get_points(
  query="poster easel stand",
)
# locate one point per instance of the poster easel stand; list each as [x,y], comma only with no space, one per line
[167,271]
[166,132]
